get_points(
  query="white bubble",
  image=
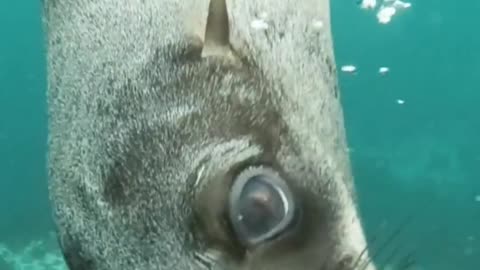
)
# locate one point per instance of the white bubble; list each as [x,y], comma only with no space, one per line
[383,70]
[401,5]
[369,4]
[385,14]
[400,101]
[385,9]
[477,198]
[349,68]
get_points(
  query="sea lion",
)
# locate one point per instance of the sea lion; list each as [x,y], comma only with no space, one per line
[196,134]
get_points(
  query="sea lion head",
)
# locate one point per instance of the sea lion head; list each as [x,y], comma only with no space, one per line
[173,150]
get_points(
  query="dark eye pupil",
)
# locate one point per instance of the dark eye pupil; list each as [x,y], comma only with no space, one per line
[260,207]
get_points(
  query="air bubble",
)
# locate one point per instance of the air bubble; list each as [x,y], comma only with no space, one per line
[383,70]
[368,4]
[349,68]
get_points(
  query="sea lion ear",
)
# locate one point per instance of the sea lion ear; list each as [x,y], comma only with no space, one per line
[217,32]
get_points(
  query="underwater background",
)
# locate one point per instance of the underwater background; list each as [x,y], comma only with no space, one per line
[413,131]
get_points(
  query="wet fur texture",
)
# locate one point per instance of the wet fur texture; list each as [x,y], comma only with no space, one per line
[146,136]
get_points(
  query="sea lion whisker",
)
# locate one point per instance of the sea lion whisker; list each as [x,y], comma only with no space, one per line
[390,257]
[207,259]
[203,261]
[407,262]
[367,262]
[397,232]
[359,258]
[390,239]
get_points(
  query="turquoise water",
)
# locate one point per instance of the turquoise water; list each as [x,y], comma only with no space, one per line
[419,159]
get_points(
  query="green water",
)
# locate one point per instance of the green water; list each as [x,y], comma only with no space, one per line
[418,159]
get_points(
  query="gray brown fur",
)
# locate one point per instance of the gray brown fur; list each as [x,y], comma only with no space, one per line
[146,134]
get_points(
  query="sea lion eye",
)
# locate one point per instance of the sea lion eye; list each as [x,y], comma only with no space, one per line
[261,205]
